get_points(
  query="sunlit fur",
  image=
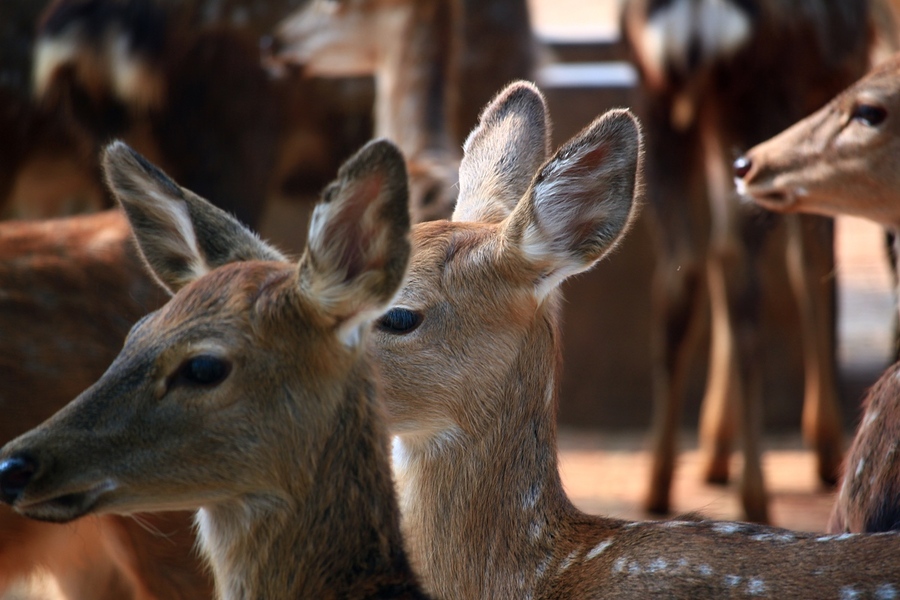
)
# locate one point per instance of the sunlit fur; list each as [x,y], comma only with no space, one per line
[472,396]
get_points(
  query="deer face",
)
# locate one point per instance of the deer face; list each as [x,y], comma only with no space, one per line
[230,389]
[839,160]
[481,289]
[454,328]
[183,391]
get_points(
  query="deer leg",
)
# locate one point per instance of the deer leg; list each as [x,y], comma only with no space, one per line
[734,380]
[811,264]
[679,213]
[734,292]
[678,292]
[717,418]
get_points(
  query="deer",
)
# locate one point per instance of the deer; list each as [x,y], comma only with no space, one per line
[469,352]
[421,54]
[192,96]
[702,64]
[70,290]
[249,396]
[409,47]
[842,160]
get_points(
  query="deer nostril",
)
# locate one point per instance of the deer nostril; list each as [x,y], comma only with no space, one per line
[742,166]
[269,46]
[15,473]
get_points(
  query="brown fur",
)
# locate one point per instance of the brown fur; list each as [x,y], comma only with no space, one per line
[832,163]
[410,48]
[837,162]
[436,63]
[725,89]
[472,396]
[200,103]
[86,269]
[286,456]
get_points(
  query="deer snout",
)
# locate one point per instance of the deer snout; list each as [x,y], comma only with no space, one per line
[742,166]
[15,474]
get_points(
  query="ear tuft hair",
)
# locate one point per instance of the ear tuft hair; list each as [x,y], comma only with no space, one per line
[582,200]
[502,153]
[358,244]
[180,235]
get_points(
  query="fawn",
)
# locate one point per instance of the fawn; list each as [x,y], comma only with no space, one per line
[248,395]
[843,160]
[470,354]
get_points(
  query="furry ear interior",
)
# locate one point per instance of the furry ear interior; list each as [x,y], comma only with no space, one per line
[581,201]
[502,153]
[180,235]
[358,246]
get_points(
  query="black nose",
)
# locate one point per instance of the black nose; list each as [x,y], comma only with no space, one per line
[269,46]
[742,166]
[15,473]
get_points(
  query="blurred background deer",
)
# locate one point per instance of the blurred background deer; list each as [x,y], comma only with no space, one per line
[719,77]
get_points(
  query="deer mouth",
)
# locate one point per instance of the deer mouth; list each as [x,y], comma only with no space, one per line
[774,199]
[66,507]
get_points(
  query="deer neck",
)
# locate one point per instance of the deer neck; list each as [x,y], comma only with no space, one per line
[337,537]
[414,78]
[493,506]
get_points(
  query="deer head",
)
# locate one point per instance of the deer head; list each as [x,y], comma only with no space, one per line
[216,396]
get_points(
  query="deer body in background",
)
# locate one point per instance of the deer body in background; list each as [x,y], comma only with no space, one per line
[193,97]
[86,269]
[421,54]
[409,47]
[845,160]
[469,352]
[719,76]
[248,395]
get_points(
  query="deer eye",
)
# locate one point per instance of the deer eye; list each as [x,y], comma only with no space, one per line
[399,321]
[205,370]
[869,114]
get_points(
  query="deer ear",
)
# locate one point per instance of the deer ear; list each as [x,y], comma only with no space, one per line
[358,245]
[502,153]
[180,235]
[581,201]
